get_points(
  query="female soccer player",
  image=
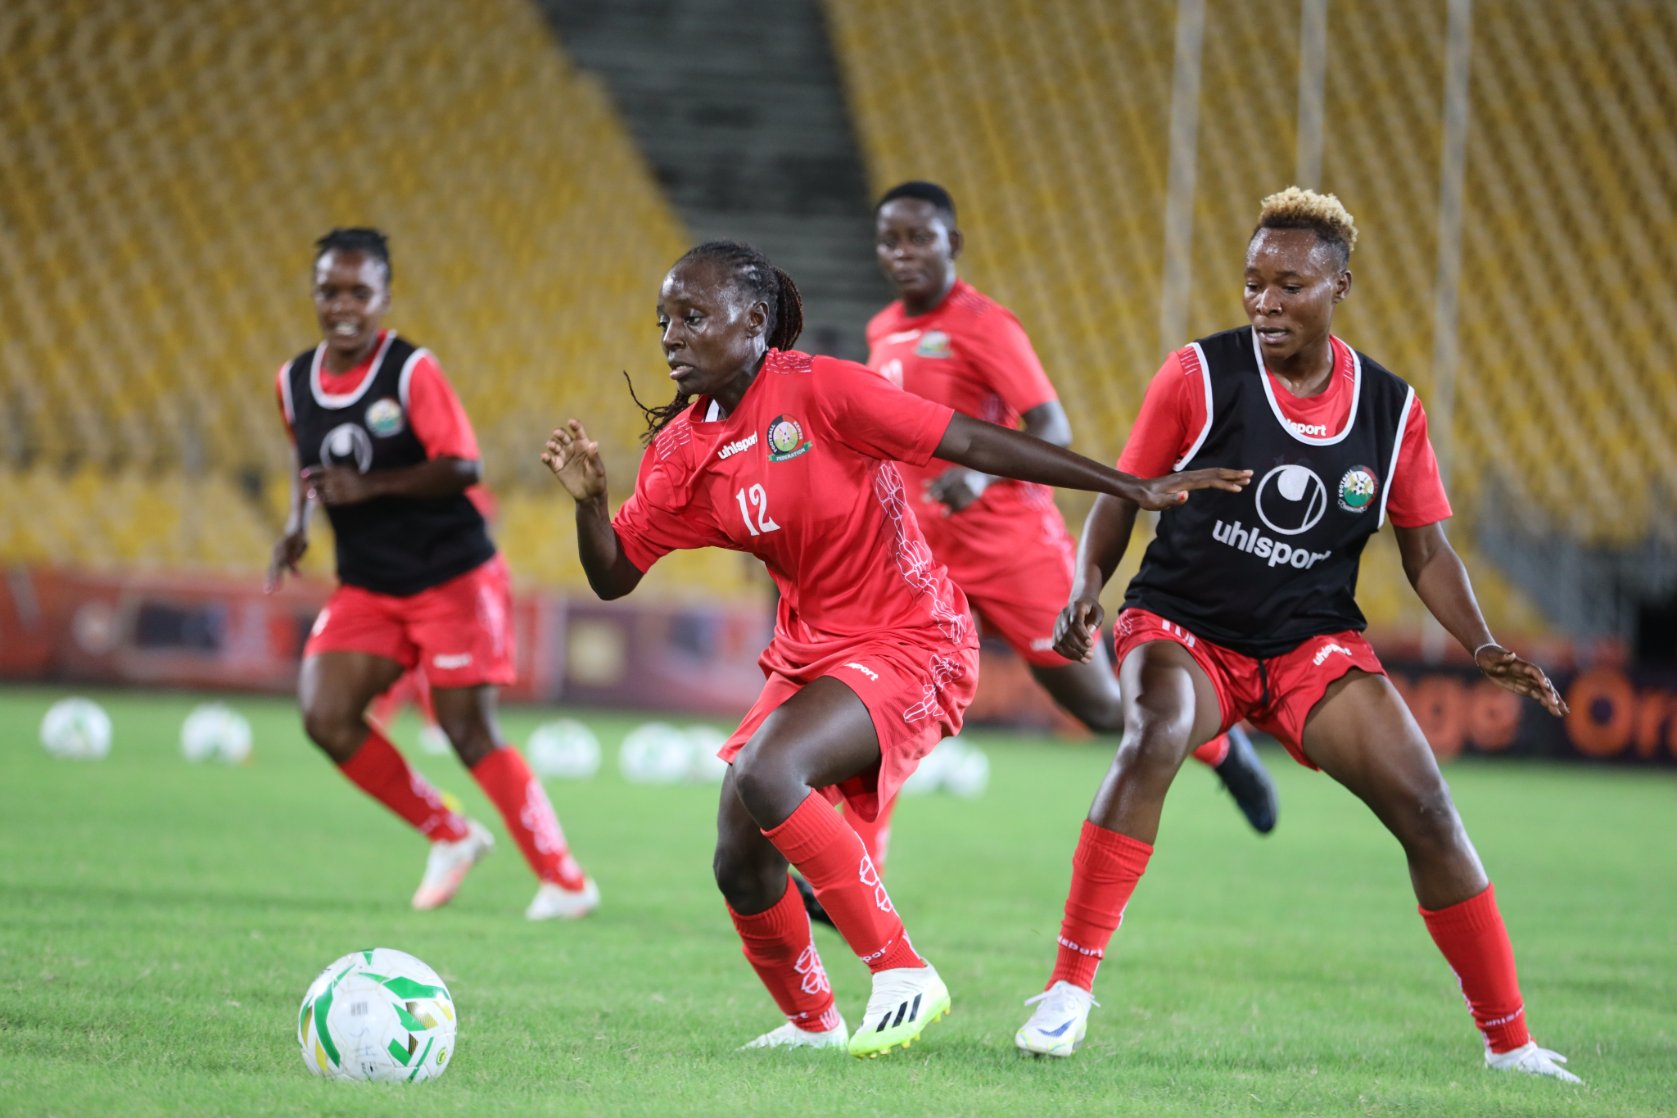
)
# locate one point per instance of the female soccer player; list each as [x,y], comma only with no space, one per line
[380,439]
[790,458]
[1243,607]
[1003,541]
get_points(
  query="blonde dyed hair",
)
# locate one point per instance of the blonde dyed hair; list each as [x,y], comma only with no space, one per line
[1322,214]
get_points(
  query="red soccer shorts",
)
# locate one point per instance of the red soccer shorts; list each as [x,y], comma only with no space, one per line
[916,696]
[1276,694]
[1015,567]
[459,633]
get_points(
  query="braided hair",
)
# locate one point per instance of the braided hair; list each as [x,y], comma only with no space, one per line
[757,277]
[369,242]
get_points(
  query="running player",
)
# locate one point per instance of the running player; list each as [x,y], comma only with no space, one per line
[790,458]
[380,439]
[1003,541]
[1244,608]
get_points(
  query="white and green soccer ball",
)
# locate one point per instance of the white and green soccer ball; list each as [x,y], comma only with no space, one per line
[216,732]
[563,748]
[379,1015]
[77,729]
[656,753]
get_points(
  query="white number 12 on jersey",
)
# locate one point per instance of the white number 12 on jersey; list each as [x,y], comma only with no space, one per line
[759,501]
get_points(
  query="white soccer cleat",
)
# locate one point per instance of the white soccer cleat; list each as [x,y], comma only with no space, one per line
[555,902]
[1060,1022]
[448,864]
[1532,1060]
[790,1036]
[904,1001]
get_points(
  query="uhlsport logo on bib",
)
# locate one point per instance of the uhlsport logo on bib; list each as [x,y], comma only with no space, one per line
[1290,500]
[786,439]
[347,444]
[1357,489]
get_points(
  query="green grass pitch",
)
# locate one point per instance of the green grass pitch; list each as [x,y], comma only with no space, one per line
[159,922]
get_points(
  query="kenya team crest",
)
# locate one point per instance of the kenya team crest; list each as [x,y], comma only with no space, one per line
[786,439]
[1357,489]
[384,417]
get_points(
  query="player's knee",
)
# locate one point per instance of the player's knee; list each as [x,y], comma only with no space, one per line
[1430,823]
[1154,742]
[764,786]
[338,732]
[471,739]
[748,884]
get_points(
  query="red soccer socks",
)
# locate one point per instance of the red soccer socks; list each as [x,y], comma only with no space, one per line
[833,860]
[1104,870]
[524,806]
[875,835]
[778,945]
[378,770]
[1475,944]
[1213,751]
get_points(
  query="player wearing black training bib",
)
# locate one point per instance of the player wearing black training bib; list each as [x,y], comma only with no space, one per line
[396,545]
[1261,571]
[380,439]
[1244,608]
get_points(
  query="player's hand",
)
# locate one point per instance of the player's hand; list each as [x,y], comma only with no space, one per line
[1172,489]
[1522,677]
[574,459]
[957,487]
[287,553]
[336,486]
[1077,628]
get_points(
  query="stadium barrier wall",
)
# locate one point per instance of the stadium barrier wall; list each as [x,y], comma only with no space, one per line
[157,630]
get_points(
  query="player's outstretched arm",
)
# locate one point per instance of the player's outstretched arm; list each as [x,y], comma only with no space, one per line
[998,450]
[1440,580]
[1106,536]
[575,460]
[294,541]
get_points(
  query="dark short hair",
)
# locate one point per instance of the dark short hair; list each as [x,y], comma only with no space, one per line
[360,239]
[923,192]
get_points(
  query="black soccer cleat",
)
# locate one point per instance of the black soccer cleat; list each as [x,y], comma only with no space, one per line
[1244,775]
[812,905]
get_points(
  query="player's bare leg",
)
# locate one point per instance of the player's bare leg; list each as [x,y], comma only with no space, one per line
[467,716]
[1362,734]
[1089,692]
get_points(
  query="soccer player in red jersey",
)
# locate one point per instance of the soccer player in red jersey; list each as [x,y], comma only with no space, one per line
[791,458]
[1244,607]
[380,439]
[1003,541]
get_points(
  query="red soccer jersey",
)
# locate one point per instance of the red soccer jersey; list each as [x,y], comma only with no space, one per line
[434,412]
[802,475]
[1173,415]
[971,354]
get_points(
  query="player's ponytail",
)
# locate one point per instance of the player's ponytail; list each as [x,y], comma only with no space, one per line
[788,311]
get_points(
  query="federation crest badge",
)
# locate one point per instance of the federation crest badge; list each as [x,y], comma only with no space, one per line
[1357,489]
[786,439]
[384,418]
[933,343]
